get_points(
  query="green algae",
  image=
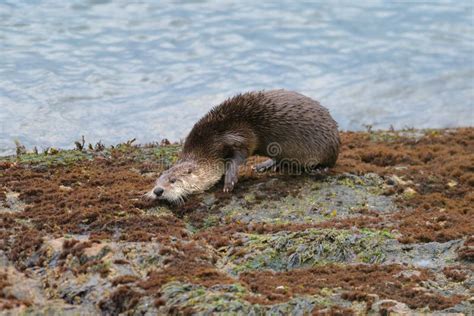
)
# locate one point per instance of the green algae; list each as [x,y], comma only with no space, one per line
[169,152]
[391,136]
[210,221]
[48,159]
[289,250]
[228,298]
[159,211]
[167,155]
[339,197]
[350,182]
[231,300]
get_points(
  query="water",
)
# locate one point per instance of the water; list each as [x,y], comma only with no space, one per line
[116,70]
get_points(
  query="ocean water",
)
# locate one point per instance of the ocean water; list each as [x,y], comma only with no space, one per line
[116,70]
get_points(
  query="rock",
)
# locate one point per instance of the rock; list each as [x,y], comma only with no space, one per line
[394,179]
[387,307]
[209,200]
[23,288]
[65,188]
[12,203]
[409,193]
[452,184]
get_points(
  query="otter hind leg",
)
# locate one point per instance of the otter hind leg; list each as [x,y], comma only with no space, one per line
[266,165]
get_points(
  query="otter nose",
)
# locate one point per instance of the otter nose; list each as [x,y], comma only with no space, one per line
[158,191]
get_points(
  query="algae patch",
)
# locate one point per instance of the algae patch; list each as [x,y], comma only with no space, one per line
[284,251]
[317,201]
[231,299]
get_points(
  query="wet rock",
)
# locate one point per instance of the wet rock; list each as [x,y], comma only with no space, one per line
[409,193]
[396,180]
[388,307]
[209,200]
[52,308]
[343,196]
[461,309]
[22,287]
[427,255]
[289,250]
[229,300]
[12,203]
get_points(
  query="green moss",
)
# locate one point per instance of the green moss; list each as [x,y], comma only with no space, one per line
[225,298]
[354,182]
[384,136]
[348,182]
[159,211]
[101,268]
[230,300]
[409,193]
[211,220]
[51,158]
[334,198]
[250,197]
[288,250]
[169,154]
[372,257]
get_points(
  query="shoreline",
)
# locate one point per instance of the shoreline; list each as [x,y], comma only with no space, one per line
[387,229]
[87,144]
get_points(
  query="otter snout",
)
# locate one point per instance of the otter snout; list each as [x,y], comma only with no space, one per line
[158,191]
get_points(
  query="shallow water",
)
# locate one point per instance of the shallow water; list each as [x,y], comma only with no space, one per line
[116,70]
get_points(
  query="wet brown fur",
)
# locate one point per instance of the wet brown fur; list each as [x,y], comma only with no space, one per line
[288,127]
[304,130]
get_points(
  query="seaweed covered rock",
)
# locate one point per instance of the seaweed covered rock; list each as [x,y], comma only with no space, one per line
[388,230]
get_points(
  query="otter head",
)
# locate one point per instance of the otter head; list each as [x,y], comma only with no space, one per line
[184,178]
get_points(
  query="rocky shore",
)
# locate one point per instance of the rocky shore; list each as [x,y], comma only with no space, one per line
[389,229]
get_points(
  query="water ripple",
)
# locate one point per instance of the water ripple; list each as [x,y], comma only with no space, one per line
[114,70]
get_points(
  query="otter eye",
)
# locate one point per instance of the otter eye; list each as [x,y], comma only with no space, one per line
[172,180]
[190,171]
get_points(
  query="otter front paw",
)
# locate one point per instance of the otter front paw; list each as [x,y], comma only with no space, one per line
[229,184]
[232,171]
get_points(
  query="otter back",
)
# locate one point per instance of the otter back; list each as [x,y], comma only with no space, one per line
[279,124]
